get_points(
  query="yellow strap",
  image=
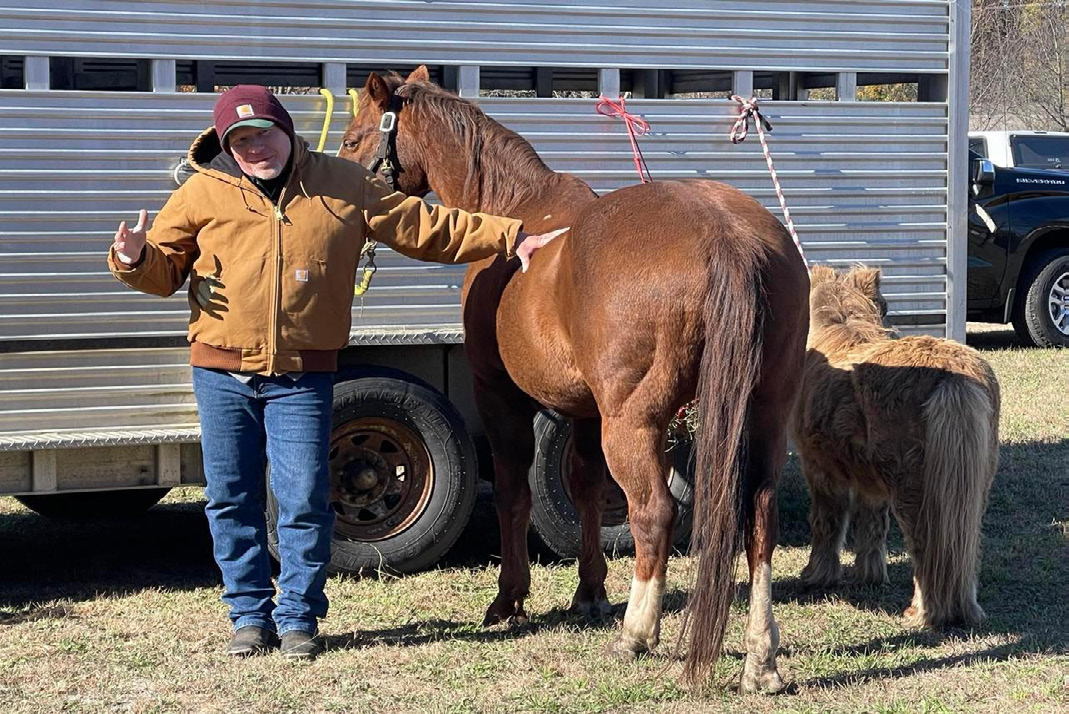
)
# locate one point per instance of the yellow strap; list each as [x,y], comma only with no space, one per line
[356,101]
[326,118]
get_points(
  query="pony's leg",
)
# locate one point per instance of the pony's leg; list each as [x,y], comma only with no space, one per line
[508,415]
[907,513]
[634,450]
[871,523]
[767,453]
[586,482]
[941,596]
[829,514]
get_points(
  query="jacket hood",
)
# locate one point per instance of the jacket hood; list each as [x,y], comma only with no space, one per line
[206,156]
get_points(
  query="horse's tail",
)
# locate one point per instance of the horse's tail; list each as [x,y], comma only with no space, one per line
[729,369]
[960,458]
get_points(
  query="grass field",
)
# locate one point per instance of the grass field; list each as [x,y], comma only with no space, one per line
[125,616]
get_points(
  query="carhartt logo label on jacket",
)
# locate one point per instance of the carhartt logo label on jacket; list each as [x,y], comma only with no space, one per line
[301,276]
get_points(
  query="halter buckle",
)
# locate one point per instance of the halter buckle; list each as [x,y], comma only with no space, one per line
[388,122]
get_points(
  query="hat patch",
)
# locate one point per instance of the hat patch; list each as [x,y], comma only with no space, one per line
[245,111]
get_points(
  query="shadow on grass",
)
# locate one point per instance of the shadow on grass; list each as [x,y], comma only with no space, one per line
[426,631]
[995,337]
[1023,581]
[46,560]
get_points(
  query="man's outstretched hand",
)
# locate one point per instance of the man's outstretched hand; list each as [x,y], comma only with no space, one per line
[528,244]
[129,243]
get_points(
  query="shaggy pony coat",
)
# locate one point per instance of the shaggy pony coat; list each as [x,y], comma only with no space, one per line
[884,425]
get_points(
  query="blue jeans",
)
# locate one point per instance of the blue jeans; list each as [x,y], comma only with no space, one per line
[243,426]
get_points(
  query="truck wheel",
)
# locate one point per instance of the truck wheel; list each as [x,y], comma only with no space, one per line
[553,514]
[402,476]
[93,505]
[1042,317]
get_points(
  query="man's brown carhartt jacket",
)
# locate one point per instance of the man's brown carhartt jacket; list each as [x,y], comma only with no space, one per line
[271,286]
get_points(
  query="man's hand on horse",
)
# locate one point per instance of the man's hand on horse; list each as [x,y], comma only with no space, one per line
[129,243]
[527,244]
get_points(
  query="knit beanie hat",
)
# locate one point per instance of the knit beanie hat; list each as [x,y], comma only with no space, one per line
[249,105]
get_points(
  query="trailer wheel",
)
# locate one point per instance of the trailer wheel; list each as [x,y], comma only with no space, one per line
[402,476]
[1042,317]
[553,514]
[93,505]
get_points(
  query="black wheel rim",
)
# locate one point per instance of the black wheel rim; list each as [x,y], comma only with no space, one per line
[381,478]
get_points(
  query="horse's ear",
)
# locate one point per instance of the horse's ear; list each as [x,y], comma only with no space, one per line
[377,90]
[867,280]
[419,74]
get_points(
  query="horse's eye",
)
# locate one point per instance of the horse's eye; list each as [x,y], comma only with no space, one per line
[349,144]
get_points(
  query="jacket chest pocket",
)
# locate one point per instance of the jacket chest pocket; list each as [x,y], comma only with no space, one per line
[317,291]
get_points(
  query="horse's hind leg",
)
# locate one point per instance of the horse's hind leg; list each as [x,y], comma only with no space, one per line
[767,453]
[508,415]
[586,483]
[871,523]
[634,450]
[829,514]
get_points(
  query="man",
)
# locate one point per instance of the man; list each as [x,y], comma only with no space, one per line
[269,235]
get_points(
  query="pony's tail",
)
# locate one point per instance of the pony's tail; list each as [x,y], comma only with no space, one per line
[960,459]
[729,370]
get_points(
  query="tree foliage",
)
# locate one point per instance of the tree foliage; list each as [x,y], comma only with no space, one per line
[1019,65]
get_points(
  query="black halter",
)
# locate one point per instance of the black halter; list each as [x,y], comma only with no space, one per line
[386,155]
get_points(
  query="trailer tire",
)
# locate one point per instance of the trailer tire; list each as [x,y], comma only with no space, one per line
[403,476]
[553,515]
[93,505]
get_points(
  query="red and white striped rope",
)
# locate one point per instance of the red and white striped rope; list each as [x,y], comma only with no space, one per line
[636,126]
[748,111]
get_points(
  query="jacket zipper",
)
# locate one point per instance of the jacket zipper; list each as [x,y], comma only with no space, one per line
[276,299]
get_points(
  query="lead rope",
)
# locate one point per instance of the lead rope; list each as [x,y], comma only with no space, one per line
[748,111]
[636,127]
[327,115]
[367,252]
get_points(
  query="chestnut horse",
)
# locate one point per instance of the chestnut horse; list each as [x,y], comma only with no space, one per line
[660,292]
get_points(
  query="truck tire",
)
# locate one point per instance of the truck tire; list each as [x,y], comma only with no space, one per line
[402,476]
[1042,315]
[93,505]
[553,514]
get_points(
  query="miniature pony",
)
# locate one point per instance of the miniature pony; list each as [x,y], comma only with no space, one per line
[908,426]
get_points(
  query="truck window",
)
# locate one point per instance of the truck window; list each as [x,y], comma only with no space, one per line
[979,145]
[1041,151]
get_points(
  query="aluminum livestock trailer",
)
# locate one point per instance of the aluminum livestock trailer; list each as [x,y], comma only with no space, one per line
[100,100]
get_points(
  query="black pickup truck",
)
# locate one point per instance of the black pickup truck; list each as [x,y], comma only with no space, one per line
[1019,250]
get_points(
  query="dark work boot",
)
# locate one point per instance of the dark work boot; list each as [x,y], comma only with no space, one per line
[251,640]
[298,644]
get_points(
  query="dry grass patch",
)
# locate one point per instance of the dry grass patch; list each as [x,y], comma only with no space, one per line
[125,616]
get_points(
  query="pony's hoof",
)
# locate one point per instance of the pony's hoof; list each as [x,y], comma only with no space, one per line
[914,618]
[821,577]
[763,681]
[626,649]
[866,578]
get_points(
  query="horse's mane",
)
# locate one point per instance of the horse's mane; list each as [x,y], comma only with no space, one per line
[841,314]
[501,163]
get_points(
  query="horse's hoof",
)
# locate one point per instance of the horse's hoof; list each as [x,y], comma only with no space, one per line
[592,610]
[764,681]
[626,649]
[510,613]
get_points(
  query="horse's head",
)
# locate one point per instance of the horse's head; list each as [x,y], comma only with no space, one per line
[852,298]
[384,132]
